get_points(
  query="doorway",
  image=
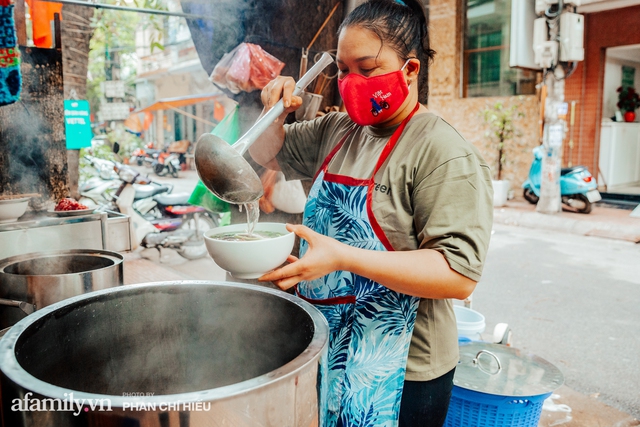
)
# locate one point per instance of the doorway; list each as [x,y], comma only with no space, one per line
[619,164]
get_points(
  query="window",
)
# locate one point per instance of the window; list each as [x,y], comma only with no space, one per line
[486,53]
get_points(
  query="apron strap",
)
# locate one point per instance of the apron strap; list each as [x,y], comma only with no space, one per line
[333,152]
[347,299]
[383,158]
[392,141]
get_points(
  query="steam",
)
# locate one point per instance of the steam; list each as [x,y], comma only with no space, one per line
[32,144]
[165,340]
[217,36]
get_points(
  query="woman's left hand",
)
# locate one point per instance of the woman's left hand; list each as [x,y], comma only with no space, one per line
[322,257]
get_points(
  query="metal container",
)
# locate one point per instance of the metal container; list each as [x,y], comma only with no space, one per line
[37,230]
[36,280]
[499,386]
[167,354]
[504,371]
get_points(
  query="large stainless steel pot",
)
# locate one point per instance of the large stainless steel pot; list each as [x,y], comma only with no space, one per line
[43,278]
[167,354]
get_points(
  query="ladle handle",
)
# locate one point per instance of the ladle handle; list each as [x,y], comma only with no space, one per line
[270,116]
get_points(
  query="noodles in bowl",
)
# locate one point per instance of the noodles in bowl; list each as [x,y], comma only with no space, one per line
[249,256]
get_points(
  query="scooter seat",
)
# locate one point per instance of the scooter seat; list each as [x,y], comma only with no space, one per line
[144,191]
[172,199]
[567,171]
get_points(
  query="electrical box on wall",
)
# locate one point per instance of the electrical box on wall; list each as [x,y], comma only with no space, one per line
[542,5]
[571,37]
[521,53]
[547,54]
[545,50]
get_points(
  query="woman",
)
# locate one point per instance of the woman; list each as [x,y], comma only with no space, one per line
[397,222]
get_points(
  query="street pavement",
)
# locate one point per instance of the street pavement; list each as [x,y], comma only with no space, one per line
[572,300]
[568,285]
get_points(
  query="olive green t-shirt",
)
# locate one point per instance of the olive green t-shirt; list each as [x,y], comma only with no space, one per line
[434,191]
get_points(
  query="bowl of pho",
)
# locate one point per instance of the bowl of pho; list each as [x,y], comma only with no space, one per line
[249,255]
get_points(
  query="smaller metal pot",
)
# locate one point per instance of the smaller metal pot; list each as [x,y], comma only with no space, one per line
[36,280]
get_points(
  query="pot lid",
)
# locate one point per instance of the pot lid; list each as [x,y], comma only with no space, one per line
[504,371]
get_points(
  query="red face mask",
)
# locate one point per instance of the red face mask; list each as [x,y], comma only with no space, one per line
[372,100]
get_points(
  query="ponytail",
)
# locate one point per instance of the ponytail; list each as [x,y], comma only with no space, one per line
[402,25]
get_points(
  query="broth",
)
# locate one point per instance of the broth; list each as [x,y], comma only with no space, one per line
[243,236]
[253,215]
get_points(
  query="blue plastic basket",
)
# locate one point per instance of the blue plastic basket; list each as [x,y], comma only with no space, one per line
[474,409]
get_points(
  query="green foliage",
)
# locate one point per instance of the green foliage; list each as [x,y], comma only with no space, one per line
[114,43]
[502,129]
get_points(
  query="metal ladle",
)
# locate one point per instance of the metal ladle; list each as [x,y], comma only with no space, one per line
[221,167]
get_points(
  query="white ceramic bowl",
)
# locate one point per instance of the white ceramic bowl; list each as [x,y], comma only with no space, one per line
[11,210]
[250,259]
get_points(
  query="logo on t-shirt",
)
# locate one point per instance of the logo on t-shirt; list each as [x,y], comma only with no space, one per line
[381,188]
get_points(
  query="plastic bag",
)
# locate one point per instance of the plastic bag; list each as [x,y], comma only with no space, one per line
[246,68]
[286,196]
[229,130]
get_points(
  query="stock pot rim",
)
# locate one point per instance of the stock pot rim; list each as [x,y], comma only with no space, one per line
[116,257]
[13,370]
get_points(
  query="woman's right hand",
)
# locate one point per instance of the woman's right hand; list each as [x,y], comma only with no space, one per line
[281,87]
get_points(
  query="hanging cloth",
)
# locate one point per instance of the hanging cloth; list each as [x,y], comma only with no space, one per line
[10,77]
[42,14]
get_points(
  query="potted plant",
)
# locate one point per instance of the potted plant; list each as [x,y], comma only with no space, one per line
[500,120]
[628,102]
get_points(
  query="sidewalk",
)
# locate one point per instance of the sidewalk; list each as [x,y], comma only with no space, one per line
[607,222]
[601,222]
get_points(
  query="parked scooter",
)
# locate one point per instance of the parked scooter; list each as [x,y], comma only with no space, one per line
[167,163]
[161,220]
[578,188]
[144,156]
[99,190]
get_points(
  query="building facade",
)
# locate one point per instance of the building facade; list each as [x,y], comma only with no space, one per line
[175,74]
[471,71]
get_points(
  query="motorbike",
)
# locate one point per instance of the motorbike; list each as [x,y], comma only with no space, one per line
[144,156]
[578,188]
[137,156]
[167,163]
[159,219]
[98,191]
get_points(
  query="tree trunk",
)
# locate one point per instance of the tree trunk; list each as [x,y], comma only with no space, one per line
[76,35]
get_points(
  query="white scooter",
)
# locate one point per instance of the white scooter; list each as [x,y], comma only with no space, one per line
[160,220]
[98,190]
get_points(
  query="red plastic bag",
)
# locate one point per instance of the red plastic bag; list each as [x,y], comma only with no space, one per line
[246,68]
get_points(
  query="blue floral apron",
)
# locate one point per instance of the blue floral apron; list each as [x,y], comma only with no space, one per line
[370,325]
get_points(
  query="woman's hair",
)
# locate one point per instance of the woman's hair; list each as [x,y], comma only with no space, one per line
[403,27]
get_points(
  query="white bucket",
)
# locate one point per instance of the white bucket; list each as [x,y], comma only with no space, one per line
[500,192]
[470,323]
